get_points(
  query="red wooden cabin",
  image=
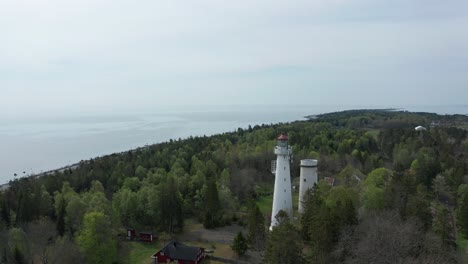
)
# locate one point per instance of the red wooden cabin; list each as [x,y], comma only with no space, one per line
[146,237]
[131,234]
[175,251]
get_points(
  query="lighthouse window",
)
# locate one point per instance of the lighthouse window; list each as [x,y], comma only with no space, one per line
[284,179]
[305,180]
[284,190]
[284,168]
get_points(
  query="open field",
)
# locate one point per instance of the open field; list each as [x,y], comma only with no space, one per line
[266,202]
[218,240]
[139,252]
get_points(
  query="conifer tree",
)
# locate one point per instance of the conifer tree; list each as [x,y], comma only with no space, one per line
[256,227]
[5,213]
[312,204]
[239,244]
[61,207]
[171,204]
[285,244]
[212,216]
[463,215]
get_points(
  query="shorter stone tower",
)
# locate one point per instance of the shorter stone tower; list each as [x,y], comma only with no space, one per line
[307,179]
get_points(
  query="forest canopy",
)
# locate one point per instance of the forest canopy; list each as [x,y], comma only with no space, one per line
[410,183]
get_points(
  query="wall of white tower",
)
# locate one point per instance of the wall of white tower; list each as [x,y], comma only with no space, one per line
[282,196]
[307,179]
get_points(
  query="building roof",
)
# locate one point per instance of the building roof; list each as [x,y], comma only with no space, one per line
[283,136]
[176,251]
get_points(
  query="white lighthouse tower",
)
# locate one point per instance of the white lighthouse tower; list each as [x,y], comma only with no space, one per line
[307,179]
[282,197]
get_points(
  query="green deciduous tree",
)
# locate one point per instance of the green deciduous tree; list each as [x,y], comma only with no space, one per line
[374,189]
[95,239]
[373,198]
[76,209]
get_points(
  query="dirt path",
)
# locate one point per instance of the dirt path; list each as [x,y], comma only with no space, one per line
[222,235]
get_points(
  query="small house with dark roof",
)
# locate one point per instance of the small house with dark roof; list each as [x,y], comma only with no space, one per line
[179,253]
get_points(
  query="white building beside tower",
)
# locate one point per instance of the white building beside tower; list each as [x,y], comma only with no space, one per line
[307,179]
[282,197]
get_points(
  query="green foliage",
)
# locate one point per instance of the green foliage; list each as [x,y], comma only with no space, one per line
[4,212]
[170,206]
[462,191]
[256,227]
[426,165]
[350,176]
[60,207]
[213,212]
[373,198]
[133,184]
[239,245]
[75,210]
[441,224]
[284,244]
[140,172]
[15,247]
[378,177]
[326,214]
[125,204]
[156,187]
[418,206]
[96,239]
[402,157]
[463,215]
[441,188]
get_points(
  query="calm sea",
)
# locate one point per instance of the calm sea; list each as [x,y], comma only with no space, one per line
[33,145]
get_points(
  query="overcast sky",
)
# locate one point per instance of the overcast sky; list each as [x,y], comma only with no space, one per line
[67,55]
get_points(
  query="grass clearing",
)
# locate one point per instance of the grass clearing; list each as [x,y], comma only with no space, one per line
[220,250]
[265,203]
[139,252]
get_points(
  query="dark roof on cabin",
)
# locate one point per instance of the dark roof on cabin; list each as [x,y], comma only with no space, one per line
[176,250]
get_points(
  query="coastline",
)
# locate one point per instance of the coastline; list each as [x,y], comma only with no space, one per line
[73,166]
